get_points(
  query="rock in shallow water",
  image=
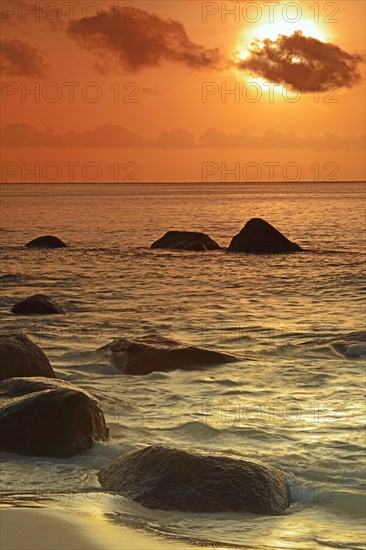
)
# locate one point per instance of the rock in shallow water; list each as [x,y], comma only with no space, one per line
[155,353]
[260,237]
[186,240]
[47,241]
[38,304]
[172,479]
[22,357]
[44,417]
[9,278]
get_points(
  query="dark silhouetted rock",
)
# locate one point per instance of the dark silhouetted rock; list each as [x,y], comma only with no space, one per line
[260,237]
[9,278]
[172,479]
[185,240]
[155,353]
[22,357]
[38,304]
[48,417]
[47,241]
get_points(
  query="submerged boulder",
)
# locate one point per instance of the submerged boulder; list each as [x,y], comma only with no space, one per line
[44,417]
[9,278]
[38,304]
[47,241]
[260,237]
[22,357]
[186,240]
[172,479]
[155,353]
[351,345]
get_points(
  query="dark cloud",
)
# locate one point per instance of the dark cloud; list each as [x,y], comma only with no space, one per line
[302,62]
[19,59]
[113,136]
[139,42]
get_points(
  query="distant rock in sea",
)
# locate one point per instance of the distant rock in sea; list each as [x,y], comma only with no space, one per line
[47,241]
[44,417]
[172,479]
[9,278]
[186,240]
[260,237]
[155,353]
[38,304]
[22,357]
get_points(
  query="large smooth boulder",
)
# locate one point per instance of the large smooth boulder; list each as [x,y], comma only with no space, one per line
[155,353]
[186,240]
[260,237]
[172,479]
[47,241]
[48,417]
[22,357]
[38,304]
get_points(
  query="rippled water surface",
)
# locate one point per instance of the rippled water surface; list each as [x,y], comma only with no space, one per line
[294,398]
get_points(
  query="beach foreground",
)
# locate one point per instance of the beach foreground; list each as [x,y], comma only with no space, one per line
[293,399]
[51,529]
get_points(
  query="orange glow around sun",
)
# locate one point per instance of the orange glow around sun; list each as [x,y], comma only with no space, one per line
[255,37]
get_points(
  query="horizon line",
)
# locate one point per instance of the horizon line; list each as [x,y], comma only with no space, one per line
[175,182]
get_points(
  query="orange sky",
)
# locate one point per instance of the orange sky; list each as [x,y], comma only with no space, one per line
[163,73]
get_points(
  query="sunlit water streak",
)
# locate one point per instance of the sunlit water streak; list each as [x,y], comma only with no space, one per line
[295,397]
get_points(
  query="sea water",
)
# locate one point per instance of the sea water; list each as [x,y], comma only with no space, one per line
[295,397]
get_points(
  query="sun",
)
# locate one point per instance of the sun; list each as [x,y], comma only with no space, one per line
[272,31]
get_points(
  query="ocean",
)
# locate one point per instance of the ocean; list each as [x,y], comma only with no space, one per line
[295,397]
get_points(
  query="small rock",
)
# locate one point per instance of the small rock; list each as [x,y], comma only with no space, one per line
[47,241]
[185,240]
[155,353]
[260,237]
[38,304]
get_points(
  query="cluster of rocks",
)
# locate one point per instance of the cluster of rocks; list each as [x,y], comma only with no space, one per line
[40,304]
[256,237]
[44,416]
[40,415]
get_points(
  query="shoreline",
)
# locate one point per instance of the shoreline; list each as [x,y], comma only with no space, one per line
[28,528]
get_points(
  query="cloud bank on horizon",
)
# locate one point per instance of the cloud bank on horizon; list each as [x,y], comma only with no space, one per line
[113,136]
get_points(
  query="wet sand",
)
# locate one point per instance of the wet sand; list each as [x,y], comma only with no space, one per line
[50,529]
